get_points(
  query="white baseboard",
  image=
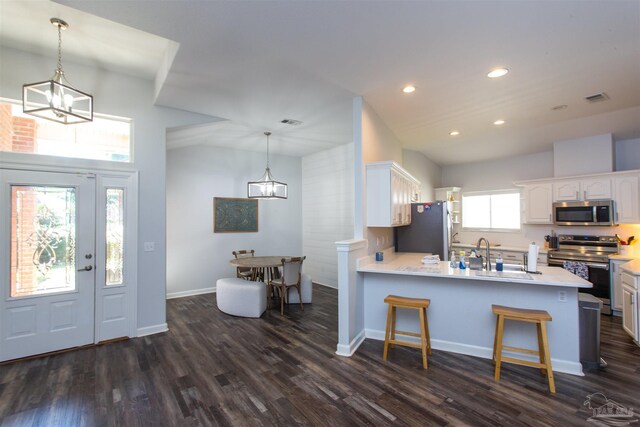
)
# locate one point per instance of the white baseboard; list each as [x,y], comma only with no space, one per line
[325,285]
[191,293]
[559,365]
[347,350]
[154,329]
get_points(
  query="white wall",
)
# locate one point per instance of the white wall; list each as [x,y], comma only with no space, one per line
[498,174]
[627,154]
[327,210]
[121,95]
[591,154]
[377,143]
[197,257]
[424,170]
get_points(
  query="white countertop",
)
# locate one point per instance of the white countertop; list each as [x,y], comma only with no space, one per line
[623,257]
[498,248]
[411,264]
[632,267]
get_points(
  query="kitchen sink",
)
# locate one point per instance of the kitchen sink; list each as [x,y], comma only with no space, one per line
[511,267]
[506,274]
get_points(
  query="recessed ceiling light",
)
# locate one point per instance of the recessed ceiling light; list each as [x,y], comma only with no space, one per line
[498,122]
[409,89]
[497,72]
[454,133]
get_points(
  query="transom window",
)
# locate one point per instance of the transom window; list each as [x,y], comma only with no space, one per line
[102,139]
[496,210]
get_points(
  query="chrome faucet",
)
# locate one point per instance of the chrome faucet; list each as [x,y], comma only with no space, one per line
[488,251]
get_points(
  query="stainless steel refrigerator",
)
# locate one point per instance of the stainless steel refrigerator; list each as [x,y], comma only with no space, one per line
[429,231]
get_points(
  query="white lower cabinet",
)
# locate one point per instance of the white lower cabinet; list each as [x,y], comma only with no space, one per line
[616,284]
[630,305]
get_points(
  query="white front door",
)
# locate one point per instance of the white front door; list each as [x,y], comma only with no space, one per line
[47,261]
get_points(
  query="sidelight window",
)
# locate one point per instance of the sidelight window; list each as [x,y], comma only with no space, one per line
[114,259]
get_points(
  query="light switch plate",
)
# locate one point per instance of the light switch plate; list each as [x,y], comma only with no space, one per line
[149,246]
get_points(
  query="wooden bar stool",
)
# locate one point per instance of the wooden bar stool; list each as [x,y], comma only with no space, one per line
[390,334]
[539,317]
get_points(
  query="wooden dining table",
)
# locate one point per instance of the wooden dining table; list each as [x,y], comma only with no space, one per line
[265,266]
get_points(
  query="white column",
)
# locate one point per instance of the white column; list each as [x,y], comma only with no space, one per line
[350,296]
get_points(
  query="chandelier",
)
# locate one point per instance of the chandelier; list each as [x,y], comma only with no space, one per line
[56,99]
[267,187]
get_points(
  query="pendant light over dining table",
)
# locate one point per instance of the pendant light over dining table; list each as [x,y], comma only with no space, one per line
[55,99]
[267,187]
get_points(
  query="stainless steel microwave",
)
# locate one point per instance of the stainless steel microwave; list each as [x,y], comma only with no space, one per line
[589,212]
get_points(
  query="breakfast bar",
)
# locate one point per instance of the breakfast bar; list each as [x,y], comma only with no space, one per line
[460,317]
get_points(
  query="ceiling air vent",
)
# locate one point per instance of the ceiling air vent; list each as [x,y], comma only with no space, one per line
[597,97]
[291,122]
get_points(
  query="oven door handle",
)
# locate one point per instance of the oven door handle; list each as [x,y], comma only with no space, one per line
[600,266]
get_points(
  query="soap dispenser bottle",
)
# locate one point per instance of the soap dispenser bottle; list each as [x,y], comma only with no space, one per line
[452,262]
[463,265]
[499,263]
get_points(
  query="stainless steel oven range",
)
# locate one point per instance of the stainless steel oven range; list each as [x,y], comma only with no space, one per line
[594,251]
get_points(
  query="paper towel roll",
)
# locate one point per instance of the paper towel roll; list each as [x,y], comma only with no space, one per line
[532,258]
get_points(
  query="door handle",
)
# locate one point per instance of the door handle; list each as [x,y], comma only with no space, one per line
[87,268]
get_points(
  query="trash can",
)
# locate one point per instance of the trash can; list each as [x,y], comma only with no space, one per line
[589,308]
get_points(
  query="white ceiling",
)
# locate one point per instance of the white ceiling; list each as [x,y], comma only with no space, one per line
[254,63]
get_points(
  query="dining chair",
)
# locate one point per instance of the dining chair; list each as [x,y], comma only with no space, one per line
[290,278]
[246,273]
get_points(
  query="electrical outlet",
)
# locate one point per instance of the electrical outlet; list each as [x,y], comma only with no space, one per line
[149,246]
[562,296]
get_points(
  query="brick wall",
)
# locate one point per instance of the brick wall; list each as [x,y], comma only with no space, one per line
[6,127]
[24,135]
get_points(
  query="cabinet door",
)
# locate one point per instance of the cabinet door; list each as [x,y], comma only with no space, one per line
[406,201]
[538,199]
[513,257]
[630,311]
[566,191]
[396,204]
[627,200]
[616,285]
[597,188]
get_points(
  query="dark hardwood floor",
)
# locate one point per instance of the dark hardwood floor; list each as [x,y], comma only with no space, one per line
[215,369]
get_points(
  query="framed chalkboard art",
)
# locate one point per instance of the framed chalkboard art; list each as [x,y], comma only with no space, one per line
[233,215]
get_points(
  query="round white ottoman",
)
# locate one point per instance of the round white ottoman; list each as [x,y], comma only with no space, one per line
[305,290]
[240,297]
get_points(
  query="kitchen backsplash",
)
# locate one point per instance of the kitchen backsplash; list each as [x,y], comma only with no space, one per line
[536,233]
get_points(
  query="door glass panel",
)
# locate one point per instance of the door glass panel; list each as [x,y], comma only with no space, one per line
[115,236]
[43,235]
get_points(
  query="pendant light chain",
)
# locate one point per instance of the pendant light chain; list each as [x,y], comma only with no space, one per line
[59,47]
[268,134]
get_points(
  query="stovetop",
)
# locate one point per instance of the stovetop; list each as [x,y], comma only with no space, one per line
[584,248]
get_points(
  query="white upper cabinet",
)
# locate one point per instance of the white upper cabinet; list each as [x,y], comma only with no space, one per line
[566,191]
[538,200]
[390,191]
[596,188]
[627,199]
[584,189]
[622,187]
